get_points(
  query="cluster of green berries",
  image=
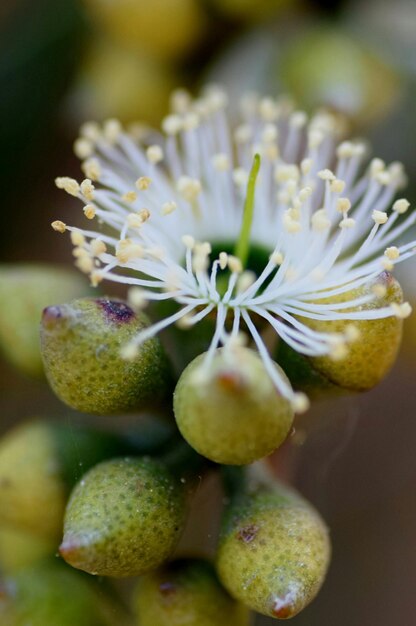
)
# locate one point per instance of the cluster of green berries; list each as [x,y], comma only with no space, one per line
[115,504]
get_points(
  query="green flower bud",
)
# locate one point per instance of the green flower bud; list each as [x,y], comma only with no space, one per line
[369,358]
[231,412]
[81,348]
[39,462]
[25,290]
[123,518]
[186,592]
[50,594]
[19,549]
[273,551]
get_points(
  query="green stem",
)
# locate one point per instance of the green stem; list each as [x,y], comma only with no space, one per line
[243,244]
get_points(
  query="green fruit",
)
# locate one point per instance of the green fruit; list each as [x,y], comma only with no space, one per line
[273,552]
[25,290]
[186,592]
[39,461]
[50,594]
[123,518]
[20,549]
[231,413]
[81,349]
[370,358]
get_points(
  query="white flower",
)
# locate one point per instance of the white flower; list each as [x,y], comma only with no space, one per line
[178,214]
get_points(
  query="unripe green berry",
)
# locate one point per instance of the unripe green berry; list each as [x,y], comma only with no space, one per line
[372,355]
[123,518]
[39,462]
[231,412]
[81,349]
[273,552]
[25,290]
[186,592]
[51,594]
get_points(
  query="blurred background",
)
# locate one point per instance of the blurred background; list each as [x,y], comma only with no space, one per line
[65,62]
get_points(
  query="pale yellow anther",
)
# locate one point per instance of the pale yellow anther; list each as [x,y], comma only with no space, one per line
[277,257]
[352,333]
[306,166]
[203,248]
[180,100]
[345,150]
[338,348]
[343,205]
[186,321]
[216,98]
[96,278]
[379,217]
[305,193]
[315,138]
[401,311]
[270,151]
[320,221]
[383,178]
[327,175]
[97,247]
[221,162]
[112,130]
[387,265]
[172,124]
[401,206]
[143,183]
[337,186]
[79,252]
[154,154]
[246,280]
[136,297]
[59,226]
[377,166]
[169,207]
[127,251]
[240,177]
[285,173]
[200,261]
[90,131]
[87,189]
[91,169]
[234,264]
[290,224]
[188,241]
[129,352]
[392,253]
[77,238]
[85,264]
[298,119]
[379,290]
[268,110]
[300,402]
[189,188]
[223,260]
[347,222]
[89,211]
[134,220]
[83,148]
[291,274]
[144,214]
[269,133]
[70,185]
[129,196]
[243,134]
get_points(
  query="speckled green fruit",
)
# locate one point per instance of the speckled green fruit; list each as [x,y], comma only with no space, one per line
[81,344]
[51,594]
[39,462]
[369,358]
[232,413]
[25,290]
[123,518]
[273,552]
[186,592]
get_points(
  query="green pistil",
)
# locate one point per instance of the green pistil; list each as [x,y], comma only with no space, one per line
[243,244]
